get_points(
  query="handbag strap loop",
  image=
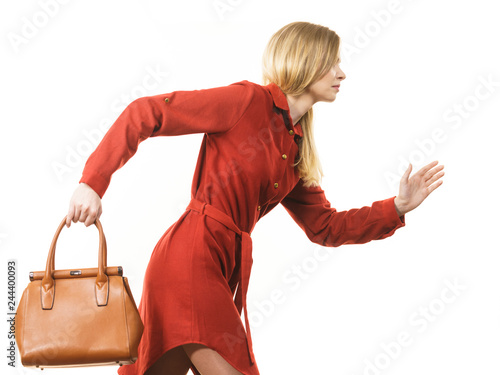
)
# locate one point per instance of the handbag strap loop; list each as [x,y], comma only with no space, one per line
[47,286]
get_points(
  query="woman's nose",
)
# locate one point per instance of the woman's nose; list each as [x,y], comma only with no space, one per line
[339,74]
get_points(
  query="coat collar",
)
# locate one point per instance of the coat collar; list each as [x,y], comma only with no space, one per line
[279,99]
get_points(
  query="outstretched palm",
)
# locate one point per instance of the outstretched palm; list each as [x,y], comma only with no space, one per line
[413,190]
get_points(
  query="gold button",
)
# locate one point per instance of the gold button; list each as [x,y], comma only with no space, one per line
[166,100]
[275,185]
[258,208]
[290,132]
[283,156]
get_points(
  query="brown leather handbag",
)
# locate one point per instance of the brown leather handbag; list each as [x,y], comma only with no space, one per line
[78,317]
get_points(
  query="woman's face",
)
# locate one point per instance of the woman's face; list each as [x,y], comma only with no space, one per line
[326,88]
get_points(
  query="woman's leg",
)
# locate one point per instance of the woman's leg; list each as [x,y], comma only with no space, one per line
[173,362]
[208,362]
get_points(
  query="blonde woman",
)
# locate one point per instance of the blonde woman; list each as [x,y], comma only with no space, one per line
[257,151]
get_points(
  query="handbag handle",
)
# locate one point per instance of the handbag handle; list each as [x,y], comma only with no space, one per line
[102,256]
[47,286]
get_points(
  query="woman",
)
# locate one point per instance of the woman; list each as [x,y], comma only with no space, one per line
[258,150]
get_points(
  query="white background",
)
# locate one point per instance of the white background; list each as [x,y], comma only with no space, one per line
[409,65]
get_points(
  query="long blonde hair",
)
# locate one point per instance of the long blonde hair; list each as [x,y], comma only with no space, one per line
[296,56]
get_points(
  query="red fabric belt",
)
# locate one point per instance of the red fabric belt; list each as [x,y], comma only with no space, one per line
[246,260]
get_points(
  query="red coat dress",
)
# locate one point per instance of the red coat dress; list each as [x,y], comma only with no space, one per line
[244,170]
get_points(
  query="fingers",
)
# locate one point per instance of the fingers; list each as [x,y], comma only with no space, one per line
[434,178]
[77,214]
[404,179]
[85,206]
[69,216]
[406,175]
[427,167]
[85,215]
[431,173]
[90,219]
[88,215]
[431,188]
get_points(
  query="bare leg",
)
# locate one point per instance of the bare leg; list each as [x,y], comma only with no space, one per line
[173,362]
[208,362]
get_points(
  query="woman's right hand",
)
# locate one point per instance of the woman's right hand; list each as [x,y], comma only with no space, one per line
[85,206]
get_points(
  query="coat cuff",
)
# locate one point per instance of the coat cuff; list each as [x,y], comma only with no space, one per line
[390,209]
[98,183]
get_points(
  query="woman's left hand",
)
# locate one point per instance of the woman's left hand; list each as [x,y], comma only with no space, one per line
[413,191]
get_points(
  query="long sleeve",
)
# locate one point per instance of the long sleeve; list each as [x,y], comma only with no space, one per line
[326,226]
[211,110]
